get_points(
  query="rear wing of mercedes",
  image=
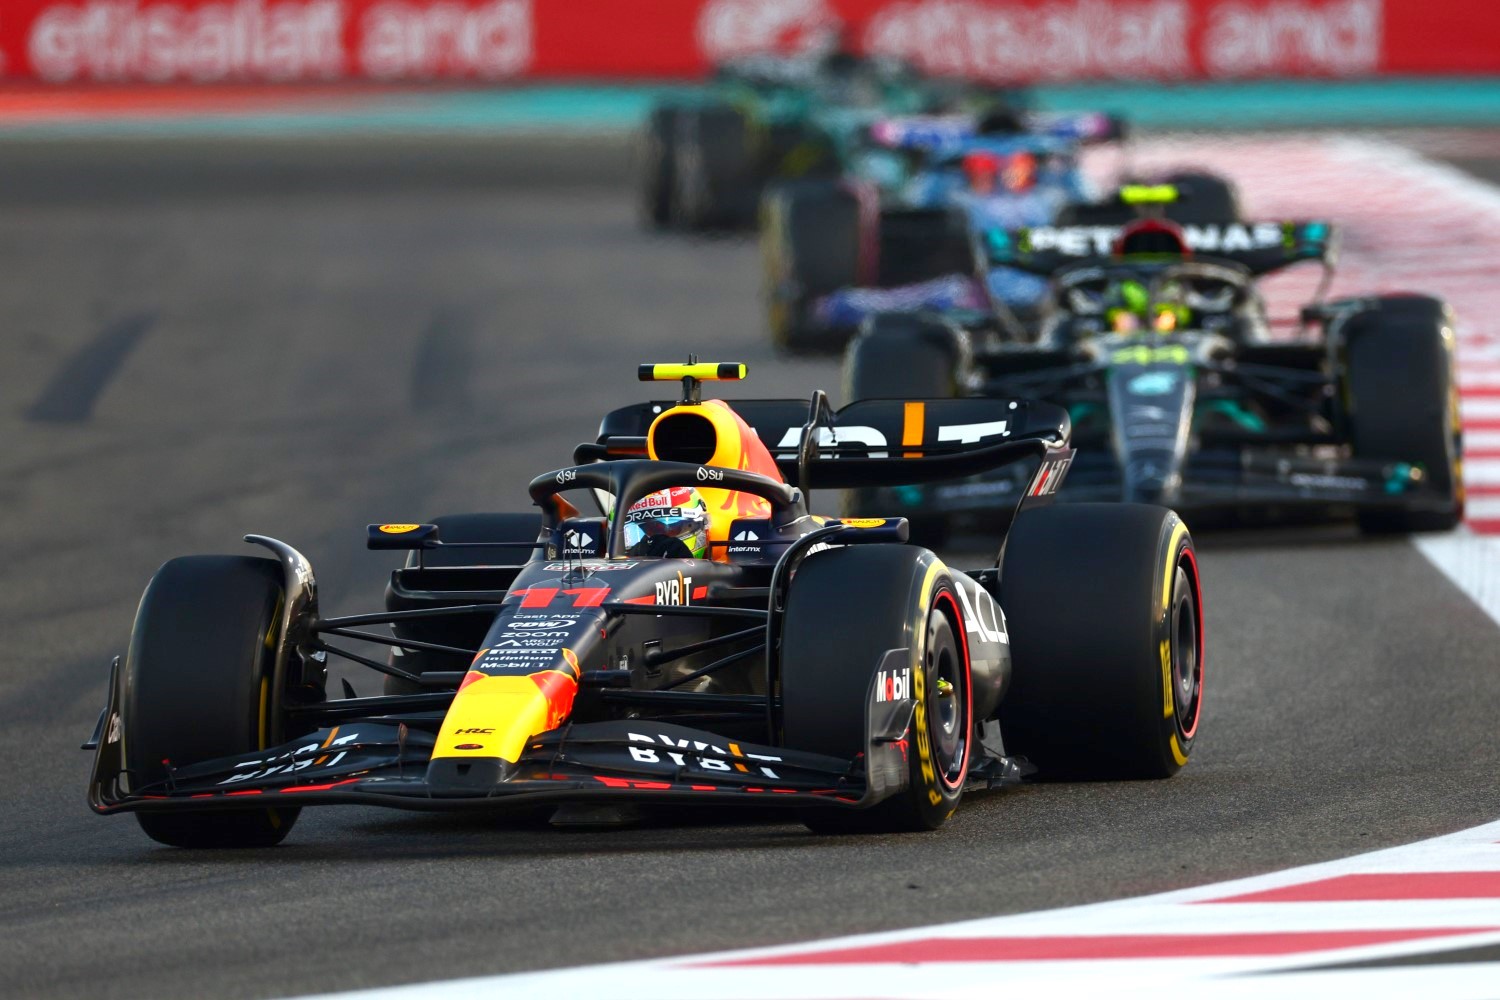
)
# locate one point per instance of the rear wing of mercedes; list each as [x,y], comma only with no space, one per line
[1259,247]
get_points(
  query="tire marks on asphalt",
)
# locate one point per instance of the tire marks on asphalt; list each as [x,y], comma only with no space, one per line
[71,395]
[440,373]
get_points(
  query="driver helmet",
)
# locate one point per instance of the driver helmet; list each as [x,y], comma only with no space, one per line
[671,522]
[1130,308]
[990,173]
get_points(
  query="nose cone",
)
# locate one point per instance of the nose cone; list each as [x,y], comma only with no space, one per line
[490,721]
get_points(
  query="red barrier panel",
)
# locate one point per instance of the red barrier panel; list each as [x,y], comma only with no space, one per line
[304,41]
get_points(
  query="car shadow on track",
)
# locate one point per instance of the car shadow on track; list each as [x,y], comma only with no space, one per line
[382,839]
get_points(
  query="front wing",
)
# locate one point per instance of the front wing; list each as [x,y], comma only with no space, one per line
[383,761]
[1210,482]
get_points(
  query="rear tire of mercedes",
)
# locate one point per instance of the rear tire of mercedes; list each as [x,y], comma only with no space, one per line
[810,239]
[197,686]
[655,154]
[713,176]
[1402,403]
[900,596]
[511,528]
[900,356]
[1208,199]
[1105,613]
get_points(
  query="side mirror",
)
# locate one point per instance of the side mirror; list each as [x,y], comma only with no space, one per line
[401,536]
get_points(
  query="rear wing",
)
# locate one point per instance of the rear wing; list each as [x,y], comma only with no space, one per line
[1080,126]
[873,442]
[1260,247]
[947,135]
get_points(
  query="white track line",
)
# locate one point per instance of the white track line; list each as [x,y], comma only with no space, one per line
[1375,907]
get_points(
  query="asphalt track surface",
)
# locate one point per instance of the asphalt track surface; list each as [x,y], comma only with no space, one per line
[200,341]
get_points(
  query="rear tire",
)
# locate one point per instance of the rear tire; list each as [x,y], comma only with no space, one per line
[902,356]
[1208,199]
[1402,403]
[923,245]
[1104,608]
[656,153]
[810,244]
[713,175]
[197,686]
[902,597]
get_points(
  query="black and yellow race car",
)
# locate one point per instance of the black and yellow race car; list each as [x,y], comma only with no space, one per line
[1156,339]
[700,637]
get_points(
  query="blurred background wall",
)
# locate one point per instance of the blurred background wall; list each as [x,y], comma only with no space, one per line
[72,42]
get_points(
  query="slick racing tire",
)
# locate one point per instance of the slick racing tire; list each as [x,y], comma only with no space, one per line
[810,245]
[1105,615]
[655,156]
[921,245]
[900,356]
[903,356]
[845,609]
[197,685]
[1401,400]
[508,528]
[712,169]
[1207,199]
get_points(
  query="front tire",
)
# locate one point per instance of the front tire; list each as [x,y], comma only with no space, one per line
[197,686]
[1105,613]
[902,598]
[903,356]
[1402,403]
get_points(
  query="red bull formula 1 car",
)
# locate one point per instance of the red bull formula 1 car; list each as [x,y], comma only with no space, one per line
[702,638]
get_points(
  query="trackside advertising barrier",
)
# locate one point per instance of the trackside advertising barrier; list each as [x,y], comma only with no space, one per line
[402,41]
